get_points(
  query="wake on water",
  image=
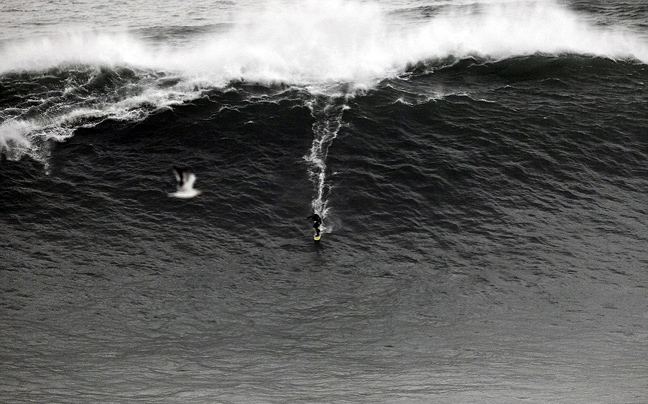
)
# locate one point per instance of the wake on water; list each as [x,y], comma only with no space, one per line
[328,120]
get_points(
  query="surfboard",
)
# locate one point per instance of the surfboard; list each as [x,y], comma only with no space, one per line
[317,238]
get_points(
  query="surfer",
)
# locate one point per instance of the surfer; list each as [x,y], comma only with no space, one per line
[317,222]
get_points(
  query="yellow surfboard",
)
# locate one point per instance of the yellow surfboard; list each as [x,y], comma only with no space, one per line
[317,238]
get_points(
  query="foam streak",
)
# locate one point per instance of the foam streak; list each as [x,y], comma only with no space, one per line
[328,120]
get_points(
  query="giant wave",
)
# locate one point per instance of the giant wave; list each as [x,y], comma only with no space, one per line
[317,46]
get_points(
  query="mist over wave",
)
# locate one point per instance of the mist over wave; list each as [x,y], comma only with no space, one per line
[337,41]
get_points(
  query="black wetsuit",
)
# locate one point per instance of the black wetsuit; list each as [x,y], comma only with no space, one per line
[317,222]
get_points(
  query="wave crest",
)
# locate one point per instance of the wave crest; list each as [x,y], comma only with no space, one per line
[338,40]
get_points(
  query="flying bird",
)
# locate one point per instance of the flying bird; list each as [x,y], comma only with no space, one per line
[186,180]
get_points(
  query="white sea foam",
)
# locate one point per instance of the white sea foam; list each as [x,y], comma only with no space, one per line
[514,29]
[337,40]
[12,135]
[18,138]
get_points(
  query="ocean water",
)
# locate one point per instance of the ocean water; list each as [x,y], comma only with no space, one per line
[481,168]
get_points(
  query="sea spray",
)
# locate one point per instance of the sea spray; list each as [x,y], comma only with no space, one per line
[34,139]
[324,42]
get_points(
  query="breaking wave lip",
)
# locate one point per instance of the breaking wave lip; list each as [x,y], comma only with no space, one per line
[317,46]
[337,41]
[19,137]
[82,97]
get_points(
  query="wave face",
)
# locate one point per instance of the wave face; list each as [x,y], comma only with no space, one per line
[480,167]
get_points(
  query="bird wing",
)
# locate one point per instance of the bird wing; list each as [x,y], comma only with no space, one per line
[179,176]
[189,179]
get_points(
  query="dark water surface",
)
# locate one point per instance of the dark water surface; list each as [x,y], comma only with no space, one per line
[483,191]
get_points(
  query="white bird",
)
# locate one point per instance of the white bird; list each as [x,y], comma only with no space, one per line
[186,181]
